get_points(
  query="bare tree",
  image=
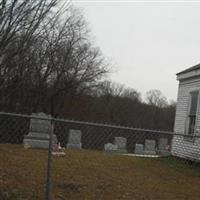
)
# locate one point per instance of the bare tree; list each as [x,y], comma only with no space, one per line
[109,88]
[20,22]
[132,94]
[156,98]
[57,59]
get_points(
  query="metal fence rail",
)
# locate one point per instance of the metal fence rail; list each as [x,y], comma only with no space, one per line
[59,166]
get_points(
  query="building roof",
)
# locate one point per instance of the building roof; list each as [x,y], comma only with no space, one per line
[189,69]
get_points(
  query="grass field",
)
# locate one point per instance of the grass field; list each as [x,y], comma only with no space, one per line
[90,175]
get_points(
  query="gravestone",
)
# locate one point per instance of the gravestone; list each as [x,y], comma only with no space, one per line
[150,147]
[39,132]
[139,149]
[74,139]
[163,147]
[121,144]
[110,147]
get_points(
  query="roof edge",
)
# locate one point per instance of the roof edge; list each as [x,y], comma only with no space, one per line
[195,67]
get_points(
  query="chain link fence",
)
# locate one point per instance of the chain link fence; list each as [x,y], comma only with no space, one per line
[54,159]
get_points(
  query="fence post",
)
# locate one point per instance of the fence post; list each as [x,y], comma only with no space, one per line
[49,165]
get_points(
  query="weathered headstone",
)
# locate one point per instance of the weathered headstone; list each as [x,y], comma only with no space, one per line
[121,144]
[39,132]
[110,147]
[74,139]
[139,149]
[150,147]
[163,147]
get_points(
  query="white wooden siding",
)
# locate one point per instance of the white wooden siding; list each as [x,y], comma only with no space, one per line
[186,149]
[182,146]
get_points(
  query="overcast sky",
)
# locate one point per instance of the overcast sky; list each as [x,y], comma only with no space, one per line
[149,42]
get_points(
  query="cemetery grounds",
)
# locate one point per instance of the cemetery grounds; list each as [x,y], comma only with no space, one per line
[93,175]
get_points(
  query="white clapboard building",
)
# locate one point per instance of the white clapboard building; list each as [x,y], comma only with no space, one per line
[186,143]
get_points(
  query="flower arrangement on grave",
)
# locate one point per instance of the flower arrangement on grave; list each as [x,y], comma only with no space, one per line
[58,150]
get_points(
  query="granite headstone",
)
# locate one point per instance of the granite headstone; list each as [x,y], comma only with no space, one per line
[110,147]
[74,139]
[39,132]
[150,147]
[121,144]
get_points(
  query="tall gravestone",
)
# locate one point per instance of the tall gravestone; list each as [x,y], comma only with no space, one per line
[150,147]
[121,144]
[74,139]
[39,132]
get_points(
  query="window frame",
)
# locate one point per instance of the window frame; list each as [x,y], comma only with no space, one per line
[189,115]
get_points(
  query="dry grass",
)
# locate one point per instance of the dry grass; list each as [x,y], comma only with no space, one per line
[89,175]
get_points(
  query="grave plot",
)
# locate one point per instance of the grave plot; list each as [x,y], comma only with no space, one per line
[86,174]
[90,161]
